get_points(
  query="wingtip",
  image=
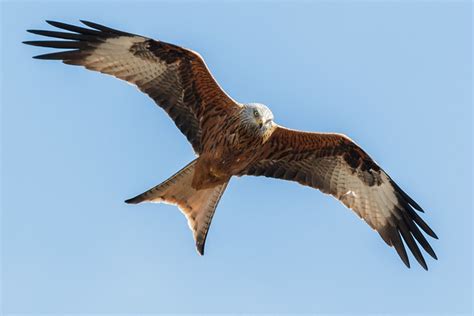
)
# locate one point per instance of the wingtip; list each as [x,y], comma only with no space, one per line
[406,262]
[33,43]
[406,197]
[418,208]
[430,232]
[133,200]
[47,56]
[91,24]
[424,265]
[413,204]
[85,22]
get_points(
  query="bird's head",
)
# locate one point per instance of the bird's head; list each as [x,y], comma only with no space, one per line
[258,118]
[258,115]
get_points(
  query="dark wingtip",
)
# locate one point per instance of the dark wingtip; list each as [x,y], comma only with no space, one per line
[50,22]
[406,262]
[407,198]
[85,22]
[418,208]
[424,265]
[412,202]
[133,200]
[105,29]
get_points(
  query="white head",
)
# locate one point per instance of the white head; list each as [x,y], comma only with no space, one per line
[258,119]
[257,115]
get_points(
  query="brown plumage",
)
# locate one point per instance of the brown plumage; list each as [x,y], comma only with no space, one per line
[233,139]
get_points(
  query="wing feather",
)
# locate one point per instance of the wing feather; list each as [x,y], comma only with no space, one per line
[335,165]
[177,79]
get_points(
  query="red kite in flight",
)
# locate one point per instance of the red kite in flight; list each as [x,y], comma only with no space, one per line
[234,139]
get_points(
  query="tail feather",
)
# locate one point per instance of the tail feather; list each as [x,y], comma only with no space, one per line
[197,205]
[161,191]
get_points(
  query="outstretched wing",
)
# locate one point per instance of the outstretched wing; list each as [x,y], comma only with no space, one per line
[176,78]
[335,165]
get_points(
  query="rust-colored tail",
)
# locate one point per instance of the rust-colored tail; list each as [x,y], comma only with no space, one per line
[197,205]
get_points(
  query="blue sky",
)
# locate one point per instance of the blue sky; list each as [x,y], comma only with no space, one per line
[395,76]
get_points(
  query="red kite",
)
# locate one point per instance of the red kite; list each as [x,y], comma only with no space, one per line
[234,139]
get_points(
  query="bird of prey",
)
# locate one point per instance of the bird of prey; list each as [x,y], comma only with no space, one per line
[235,139]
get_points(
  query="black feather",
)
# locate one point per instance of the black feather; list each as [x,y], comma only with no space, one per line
[406,196]
[106,29]
[418,220]
[65,35]
[66,55]
[397,242]
[57,44]
[73,28]
[419,236]
[408,238]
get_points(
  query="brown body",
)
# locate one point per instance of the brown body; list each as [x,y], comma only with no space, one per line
[233,139]
[226,153]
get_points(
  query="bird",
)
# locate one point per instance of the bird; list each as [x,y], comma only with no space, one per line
[232,139]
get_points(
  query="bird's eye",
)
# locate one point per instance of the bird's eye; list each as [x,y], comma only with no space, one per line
[255,113]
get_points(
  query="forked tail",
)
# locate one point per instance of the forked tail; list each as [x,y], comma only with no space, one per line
[197,205]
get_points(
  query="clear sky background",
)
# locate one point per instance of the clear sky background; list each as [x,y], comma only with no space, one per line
[395,76]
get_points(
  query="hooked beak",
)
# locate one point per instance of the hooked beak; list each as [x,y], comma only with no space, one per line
[265,124]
